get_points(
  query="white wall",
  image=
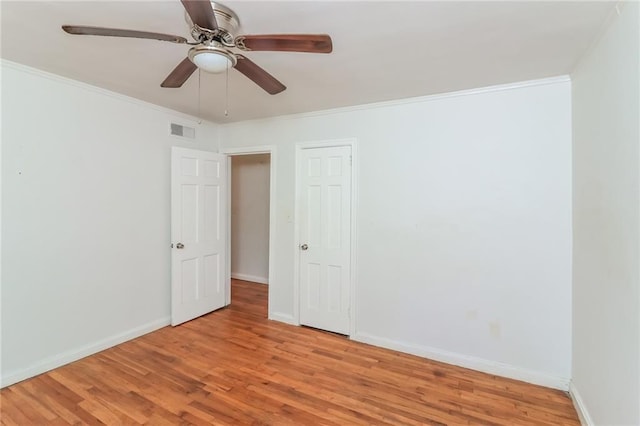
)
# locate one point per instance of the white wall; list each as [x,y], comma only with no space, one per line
[250,217]
[85,218]
[463,224]
[606,269]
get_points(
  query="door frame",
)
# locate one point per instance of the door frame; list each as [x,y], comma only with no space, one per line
[300,146]
[251,150]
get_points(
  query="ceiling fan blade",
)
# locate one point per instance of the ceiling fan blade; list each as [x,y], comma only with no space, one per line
[114,32]
[201,13]
[180,74]
[259,76]
[311,43]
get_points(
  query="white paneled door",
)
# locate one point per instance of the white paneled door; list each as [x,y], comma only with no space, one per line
[198,233]
[325,237]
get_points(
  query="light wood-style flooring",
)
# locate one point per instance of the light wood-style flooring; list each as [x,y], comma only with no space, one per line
[234,366]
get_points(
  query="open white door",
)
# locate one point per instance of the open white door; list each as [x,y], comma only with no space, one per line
[325,237]
[198,233]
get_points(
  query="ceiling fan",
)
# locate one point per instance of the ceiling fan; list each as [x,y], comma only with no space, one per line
[213,26]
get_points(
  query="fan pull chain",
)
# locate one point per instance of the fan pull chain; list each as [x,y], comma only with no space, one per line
[199,104]
[226,94]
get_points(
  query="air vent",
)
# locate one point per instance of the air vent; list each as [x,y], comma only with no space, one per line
[183,131]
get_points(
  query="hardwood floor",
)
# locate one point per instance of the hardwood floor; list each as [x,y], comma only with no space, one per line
[234,366]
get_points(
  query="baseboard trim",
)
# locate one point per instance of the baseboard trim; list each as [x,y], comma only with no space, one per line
[252,278]
[285,318]
[479,364]
[76,354]
[581,408]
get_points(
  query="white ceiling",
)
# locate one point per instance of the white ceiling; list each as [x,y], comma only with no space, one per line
[382,50]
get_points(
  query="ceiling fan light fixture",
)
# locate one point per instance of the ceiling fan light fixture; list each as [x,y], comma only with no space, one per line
[212,58]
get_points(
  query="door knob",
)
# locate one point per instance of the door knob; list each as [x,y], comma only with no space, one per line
[304,247]
[180,245]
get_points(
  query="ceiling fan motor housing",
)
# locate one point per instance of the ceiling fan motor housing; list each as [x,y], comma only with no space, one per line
[228,25]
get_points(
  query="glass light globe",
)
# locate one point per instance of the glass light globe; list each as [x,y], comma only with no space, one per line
[211,61]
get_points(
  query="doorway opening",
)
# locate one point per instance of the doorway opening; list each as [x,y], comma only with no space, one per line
[250,223]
